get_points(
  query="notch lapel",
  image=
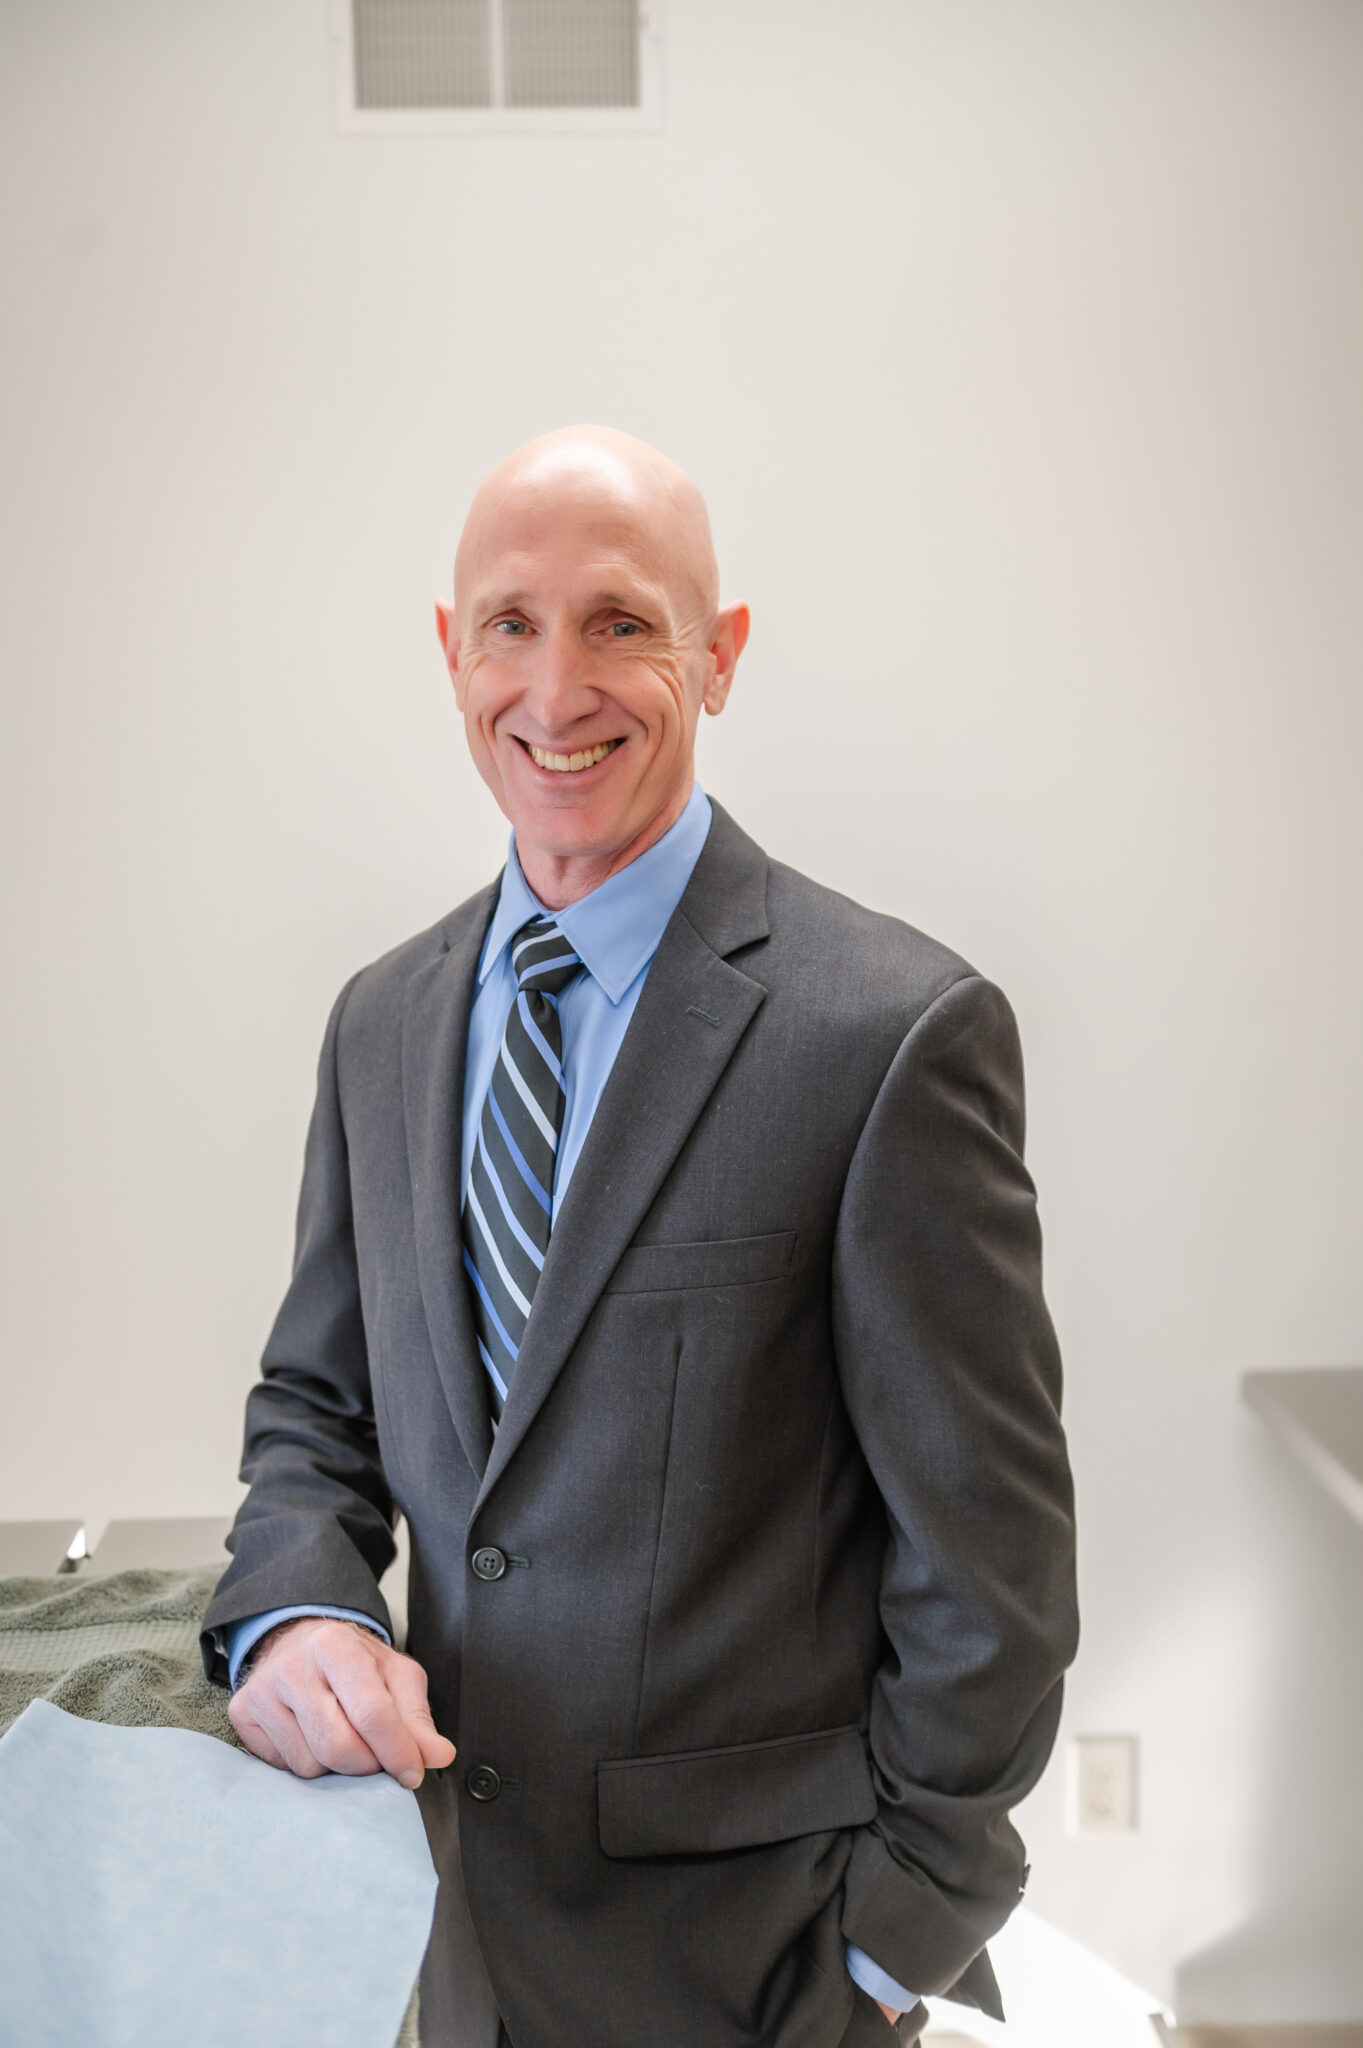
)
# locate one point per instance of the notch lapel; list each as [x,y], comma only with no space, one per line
[690,1020]
[435,1029]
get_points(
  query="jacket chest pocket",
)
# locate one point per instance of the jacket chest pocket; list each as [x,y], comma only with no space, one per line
[716,1262]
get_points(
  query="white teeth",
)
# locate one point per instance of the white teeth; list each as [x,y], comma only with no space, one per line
[570,764]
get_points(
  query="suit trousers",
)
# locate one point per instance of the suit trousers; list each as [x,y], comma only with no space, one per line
[865,2029]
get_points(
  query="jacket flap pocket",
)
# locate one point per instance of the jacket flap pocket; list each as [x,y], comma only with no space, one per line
[720,1262]
[704,1800]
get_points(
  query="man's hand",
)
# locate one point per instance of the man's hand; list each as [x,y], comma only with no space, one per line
[891,2012]
[325,1695]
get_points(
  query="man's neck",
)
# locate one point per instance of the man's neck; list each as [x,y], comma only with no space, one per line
[560,879]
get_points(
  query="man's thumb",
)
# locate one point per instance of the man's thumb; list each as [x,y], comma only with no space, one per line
[437,1751]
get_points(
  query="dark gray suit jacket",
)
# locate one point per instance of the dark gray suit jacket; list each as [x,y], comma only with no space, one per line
[781,1477]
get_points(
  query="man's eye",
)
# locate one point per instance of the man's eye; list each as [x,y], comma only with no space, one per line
[510,626]
[623,628]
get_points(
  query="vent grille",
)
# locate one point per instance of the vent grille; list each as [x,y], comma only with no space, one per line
[471,64]
[571,53]
[423,53]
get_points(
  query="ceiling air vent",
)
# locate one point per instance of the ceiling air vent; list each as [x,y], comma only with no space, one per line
[481,67]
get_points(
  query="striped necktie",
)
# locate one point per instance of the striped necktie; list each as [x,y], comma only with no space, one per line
[509,1201]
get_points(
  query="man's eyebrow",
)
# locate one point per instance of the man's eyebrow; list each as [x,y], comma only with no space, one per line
[645,598]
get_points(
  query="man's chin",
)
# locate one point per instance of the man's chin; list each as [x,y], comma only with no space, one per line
[565,828]
[598,818]
[596,839]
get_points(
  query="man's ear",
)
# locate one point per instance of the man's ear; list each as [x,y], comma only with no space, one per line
[449,646]
[731,637]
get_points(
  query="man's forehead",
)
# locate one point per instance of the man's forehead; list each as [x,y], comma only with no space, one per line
[567,556]
[588,585]
[555,524]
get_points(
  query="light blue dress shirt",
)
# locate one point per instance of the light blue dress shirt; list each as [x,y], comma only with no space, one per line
[616,931]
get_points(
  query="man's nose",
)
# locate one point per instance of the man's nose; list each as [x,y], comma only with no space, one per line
[560,690]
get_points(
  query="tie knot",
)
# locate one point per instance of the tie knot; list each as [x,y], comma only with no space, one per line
[542,957]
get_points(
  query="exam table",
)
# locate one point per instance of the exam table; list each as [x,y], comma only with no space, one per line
[119,1647]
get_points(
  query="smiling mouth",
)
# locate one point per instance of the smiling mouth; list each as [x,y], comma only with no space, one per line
[571,764]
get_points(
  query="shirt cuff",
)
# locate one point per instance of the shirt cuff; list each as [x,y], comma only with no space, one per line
[875,1982]
[241,1637]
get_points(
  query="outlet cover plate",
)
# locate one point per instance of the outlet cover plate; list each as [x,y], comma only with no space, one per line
[1102,1785]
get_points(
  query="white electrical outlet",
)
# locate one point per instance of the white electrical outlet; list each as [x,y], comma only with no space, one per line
[1102,1785]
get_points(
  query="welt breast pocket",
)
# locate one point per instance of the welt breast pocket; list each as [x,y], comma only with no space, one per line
[701,1801]
[716,1262]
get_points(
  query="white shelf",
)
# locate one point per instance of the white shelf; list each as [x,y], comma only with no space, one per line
[1318,1413]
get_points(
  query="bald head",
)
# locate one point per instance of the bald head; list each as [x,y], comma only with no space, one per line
[594,478]
[585,639]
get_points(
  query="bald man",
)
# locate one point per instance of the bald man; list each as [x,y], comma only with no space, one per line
[666,1257]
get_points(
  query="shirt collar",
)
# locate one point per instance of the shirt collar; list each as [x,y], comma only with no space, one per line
[617,928]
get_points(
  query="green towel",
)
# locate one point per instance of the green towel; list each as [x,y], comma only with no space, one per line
[123,1649]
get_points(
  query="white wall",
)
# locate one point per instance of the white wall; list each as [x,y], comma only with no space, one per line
[1016,343]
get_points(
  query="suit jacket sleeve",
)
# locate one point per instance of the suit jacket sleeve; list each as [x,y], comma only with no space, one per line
[951,1377]
[316,1527]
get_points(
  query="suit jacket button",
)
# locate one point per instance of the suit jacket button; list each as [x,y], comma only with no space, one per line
[483,1782]
[489,1563]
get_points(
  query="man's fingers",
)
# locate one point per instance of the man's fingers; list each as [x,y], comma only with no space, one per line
[437,1751]
[406,1681]
[357,1678]
[252,1734]
[277,1723]
[330,1734]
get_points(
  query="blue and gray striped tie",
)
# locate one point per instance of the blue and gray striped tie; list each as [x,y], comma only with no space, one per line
[509,1201]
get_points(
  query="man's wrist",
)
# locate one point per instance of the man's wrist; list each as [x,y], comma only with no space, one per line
[260,1647]
[241,1637]
[263,1644]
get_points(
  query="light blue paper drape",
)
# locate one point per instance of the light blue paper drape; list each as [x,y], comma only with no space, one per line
[158,1887]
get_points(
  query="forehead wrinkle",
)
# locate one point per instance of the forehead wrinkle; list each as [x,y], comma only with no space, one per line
[643,597]
[622,595]
[588,586]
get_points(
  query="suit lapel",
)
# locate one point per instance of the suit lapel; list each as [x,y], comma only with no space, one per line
[691,1016]
[435,1030]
